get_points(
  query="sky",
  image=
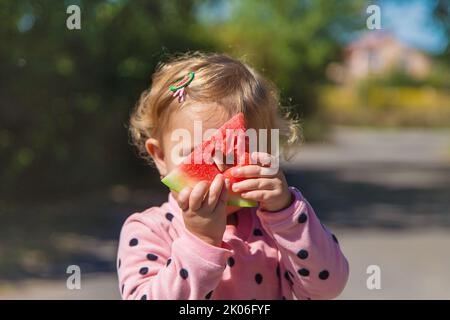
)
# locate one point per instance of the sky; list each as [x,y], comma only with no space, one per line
[412,22]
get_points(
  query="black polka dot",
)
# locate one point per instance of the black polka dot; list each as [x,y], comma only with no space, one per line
[283,298]
[302,218]
[308,298]
[257,232]
[230,261]
[144,297]
[123,287]
[287,276]
[278,271]
[208,296]
[143,270]
[184,273]
[303,272]
[335,239]
[169,216]
[133,242]
[258,278]
[324,274]
[133,290]
[168,262]
[152,257]
[302,254]
[119,264]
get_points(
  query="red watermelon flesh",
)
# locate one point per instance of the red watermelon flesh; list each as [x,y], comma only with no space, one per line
[230,143]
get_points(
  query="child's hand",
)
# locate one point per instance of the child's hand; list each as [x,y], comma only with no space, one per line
[204,211]
[269,188]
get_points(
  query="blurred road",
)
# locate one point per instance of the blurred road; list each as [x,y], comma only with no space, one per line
[413,266]
[385,194]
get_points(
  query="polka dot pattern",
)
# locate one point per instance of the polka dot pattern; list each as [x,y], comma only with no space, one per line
[302,218]
[335,239]
[287,276]
[184,273]
[257,232]
[303,272]
[152,257]
[208,295]
[143,270]
[258,278]
[303,261]
[302,254]
[324,274]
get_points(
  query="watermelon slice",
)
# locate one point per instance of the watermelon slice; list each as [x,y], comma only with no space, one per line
[230,142]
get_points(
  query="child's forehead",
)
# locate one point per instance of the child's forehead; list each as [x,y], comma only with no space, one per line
[208,115]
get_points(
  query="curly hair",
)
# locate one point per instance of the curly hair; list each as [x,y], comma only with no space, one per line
[219,79]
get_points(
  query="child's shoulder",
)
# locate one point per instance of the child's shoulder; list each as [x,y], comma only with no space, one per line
[157,217]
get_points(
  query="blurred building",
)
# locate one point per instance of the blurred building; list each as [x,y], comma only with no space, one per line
[379,53]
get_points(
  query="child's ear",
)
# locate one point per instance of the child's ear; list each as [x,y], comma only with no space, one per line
[155,150]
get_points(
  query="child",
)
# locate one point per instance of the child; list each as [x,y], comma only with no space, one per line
[195,246]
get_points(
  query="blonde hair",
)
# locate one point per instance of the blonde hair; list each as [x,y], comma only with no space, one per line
[218,79]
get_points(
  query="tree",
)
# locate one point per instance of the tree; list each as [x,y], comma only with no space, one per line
[291,41]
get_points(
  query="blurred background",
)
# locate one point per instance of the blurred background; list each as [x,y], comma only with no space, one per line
[374,104]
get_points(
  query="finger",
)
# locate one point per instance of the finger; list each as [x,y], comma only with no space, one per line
[262,157]
[183,198]
[254,184]
[223,199]
[214,190]
[254,171]
[256,195]
[197,195]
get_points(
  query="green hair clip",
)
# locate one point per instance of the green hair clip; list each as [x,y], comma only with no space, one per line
[178,88]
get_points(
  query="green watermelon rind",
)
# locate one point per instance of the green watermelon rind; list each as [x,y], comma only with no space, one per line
[177,180]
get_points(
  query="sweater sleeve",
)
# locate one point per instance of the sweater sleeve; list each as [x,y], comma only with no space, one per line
[311,262]
[152,266]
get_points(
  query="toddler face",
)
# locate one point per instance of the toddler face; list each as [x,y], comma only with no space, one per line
[209,116]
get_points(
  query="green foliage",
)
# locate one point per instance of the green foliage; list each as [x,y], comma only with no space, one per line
[65,95]
[291,41]
[374,104]
[439,78]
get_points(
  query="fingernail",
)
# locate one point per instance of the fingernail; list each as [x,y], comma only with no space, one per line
[227,183]
[234,187]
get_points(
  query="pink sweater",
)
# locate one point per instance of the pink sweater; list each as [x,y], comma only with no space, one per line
[269,255]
